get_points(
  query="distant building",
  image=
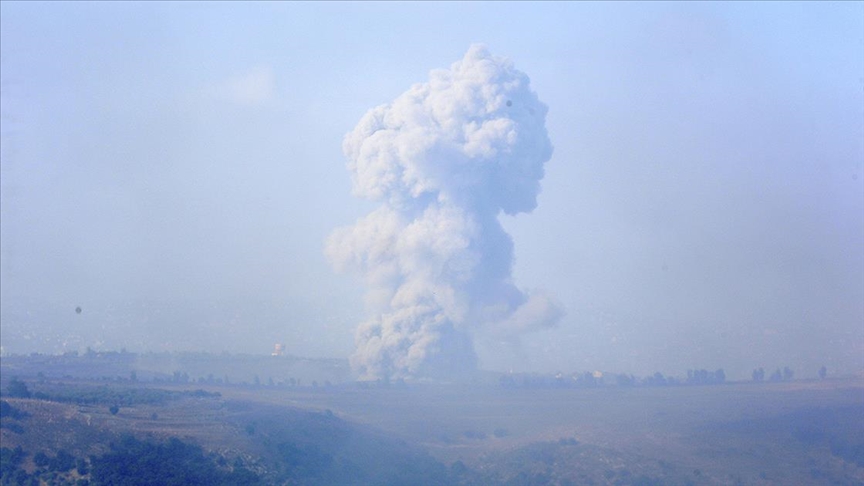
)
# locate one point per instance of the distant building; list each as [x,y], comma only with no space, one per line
[278,349]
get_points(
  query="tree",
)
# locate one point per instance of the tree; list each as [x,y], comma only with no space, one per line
[62,462]
[759,374]
[17,389]
[787,374]
[10,459]
[132,462]
[623,379]
[658,379]
[823,372]
[8,411]
[40,459]
[114,409]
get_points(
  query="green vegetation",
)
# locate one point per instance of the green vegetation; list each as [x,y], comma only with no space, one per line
[9,417]
[54,470]
[132,462]
[10,461]
[111,395]
[17,389]
[7,411]
[62,462]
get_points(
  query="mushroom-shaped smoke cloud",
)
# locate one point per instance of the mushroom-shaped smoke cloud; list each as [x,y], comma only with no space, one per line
[444,159]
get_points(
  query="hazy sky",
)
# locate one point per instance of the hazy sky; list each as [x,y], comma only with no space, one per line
[175,168]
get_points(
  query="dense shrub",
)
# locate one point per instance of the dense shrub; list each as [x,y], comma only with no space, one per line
[7,411]
[133,462]
[17,389]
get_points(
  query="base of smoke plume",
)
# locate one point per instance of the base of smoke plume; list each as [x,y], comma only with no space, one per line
[452,357]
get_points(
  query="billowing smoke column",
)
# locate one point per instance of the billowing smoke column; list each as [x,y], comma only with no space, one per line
[444,159]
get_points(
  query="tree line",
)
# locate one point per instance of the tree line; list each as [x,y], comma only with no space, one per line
[588,379]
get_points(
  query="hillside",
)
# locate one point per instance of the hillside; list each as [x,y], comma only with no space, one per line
[69,430]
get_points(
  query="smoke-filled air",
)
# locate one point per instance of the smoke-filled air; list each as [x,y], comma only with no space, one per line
[444,159]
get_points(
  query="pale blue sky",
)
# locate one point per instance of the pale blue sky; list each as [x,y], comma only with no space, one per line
[174,169]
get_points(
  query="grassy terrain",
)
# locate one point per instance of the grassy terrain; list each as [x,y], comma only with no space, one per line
[769,433]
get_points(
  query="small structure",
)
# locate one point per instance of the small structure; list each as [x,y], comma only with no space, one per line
[278,349]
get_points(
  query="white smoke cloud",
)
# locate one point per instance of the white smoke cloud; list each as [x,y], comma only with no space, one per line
[444,159]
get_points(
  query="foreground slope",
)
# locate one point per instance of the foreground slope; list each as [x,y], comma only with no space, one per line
[741,433]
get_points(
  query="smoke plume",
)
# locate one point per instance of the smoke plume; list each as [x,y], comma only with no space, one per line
[444,159]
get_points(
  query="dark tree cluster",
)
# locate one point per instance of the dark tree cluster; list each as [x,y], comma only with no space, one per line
[54,470]
[110,395]
[17,389]
[62,462]
[106,395]
[10,462]
[623,379]
[777,376]
[7,411]
[132,462]
[657,379]
[785,375]
[758,374]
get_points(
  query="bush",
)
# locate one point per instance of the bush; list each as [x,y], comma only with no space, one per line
[40,459]
[9,411]
[133,462]
[10,459]
[62,462]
